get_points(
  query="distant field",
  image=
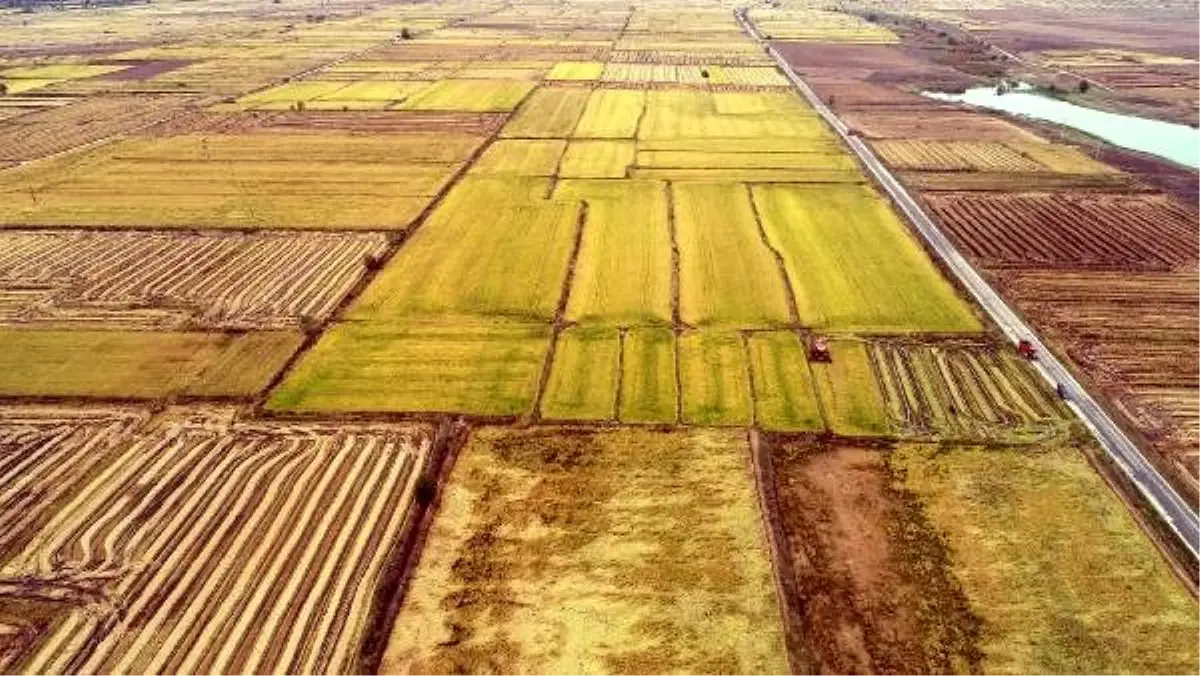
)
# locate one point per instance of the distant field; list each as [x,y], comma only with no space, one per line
[140,364]
[534,540]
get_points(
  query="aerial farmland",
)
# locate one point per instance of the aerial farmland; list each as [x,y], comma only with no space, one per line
[468,336]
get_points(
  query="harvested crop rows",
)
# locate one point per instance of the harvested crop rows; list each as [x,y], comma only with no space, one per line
[250,549]
[270,280]
[962,391]
[1144,232]
[954,156]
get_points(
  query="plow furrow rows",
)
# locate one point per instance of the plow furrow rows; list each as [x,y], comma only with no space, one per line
[226,551]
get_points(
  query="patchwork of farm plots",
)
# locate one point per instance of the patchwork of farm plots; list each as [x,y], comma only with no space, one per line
[1100,262]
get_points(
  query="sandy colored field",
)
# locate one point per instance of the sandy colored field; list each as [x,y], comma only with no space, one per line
[520,158]
[140,364]
[571,551]
[853,264]
[868,582]
[254,180]
[209,547]
[1051,562]
[178,280]
[549,112]
[483,367]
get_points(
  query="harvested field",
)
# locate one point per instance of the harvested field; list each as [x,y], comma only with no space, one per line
[486,368]
[533,540]
[46,132]
[549,112]
[140,364]
[953,156]
[44,453]
[868,582]
[995,182]
[853,265]
[246,180]
[269,280]
[934,124]
[727,274]
[1130,232]
[1077,589]
[214,548]
[963,392]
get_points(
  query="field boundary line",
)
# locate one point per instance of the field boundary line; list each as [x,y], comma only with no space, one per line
[1175,512]
[793,306]
[560,322]
[618,399]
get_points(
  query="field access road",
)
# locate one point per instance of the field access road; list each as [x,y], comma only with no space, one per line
[1179,516]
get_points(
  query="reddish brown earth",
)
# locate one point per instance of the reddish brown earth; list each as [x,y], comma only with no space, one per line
[144,70]
[1143,232]
[1029,29]
[865,577]
[870,63]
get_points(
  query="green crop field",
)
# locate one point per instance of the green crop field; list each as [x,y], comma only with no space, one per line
[727,274]
[850,397]
[784,398]
[139,364]
[583,381]
[648,390]
[623,274]
[854,266]
[716,378]
[490,368]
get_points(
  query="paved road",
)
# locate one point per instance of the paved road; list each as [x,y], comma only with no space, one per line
[1175,511]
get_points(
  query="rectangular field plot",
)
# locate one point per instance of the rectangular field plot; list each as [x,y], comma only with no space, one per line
[513,262]
[206,547]
[727,274]
[784,398]
[1034,530]
[1148,232]
[964,391]
[954,156]
[549,112]
[851,400]
[140,364]
[469,95]
[584,378]
[481,368]
[623,272]
[650,514]
[715,373]
[576,70]
[597,159]
[673,114]
[611,113]
[172,280]
[520,158]
[854,266]
[255,180]
[649,392]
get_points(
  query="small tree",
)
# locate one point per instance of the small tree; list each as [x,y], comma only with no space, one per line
[704,73]
[1084,86]
[405,33]
[3,89]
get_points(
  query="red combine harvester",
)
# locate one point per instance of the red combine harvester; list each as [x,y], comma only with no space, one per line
[1026,349]
[818,350]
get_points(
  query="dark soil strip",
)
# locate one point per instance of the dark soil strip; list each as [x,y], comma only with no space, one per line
[620,372]
[676,318]
[781,556]
[406,554]
[560,312]
[793,308]
[745,338]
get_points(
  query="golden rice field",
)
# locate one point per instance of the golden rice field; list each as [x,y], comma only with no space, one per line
[477,337]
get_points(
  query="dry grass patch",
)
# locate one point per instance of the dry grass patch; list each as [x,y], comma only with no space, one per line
[570,551]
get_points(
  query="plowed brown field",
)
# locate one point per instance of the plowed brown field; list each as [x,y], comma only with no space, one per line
[1143,232]
[206,547]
